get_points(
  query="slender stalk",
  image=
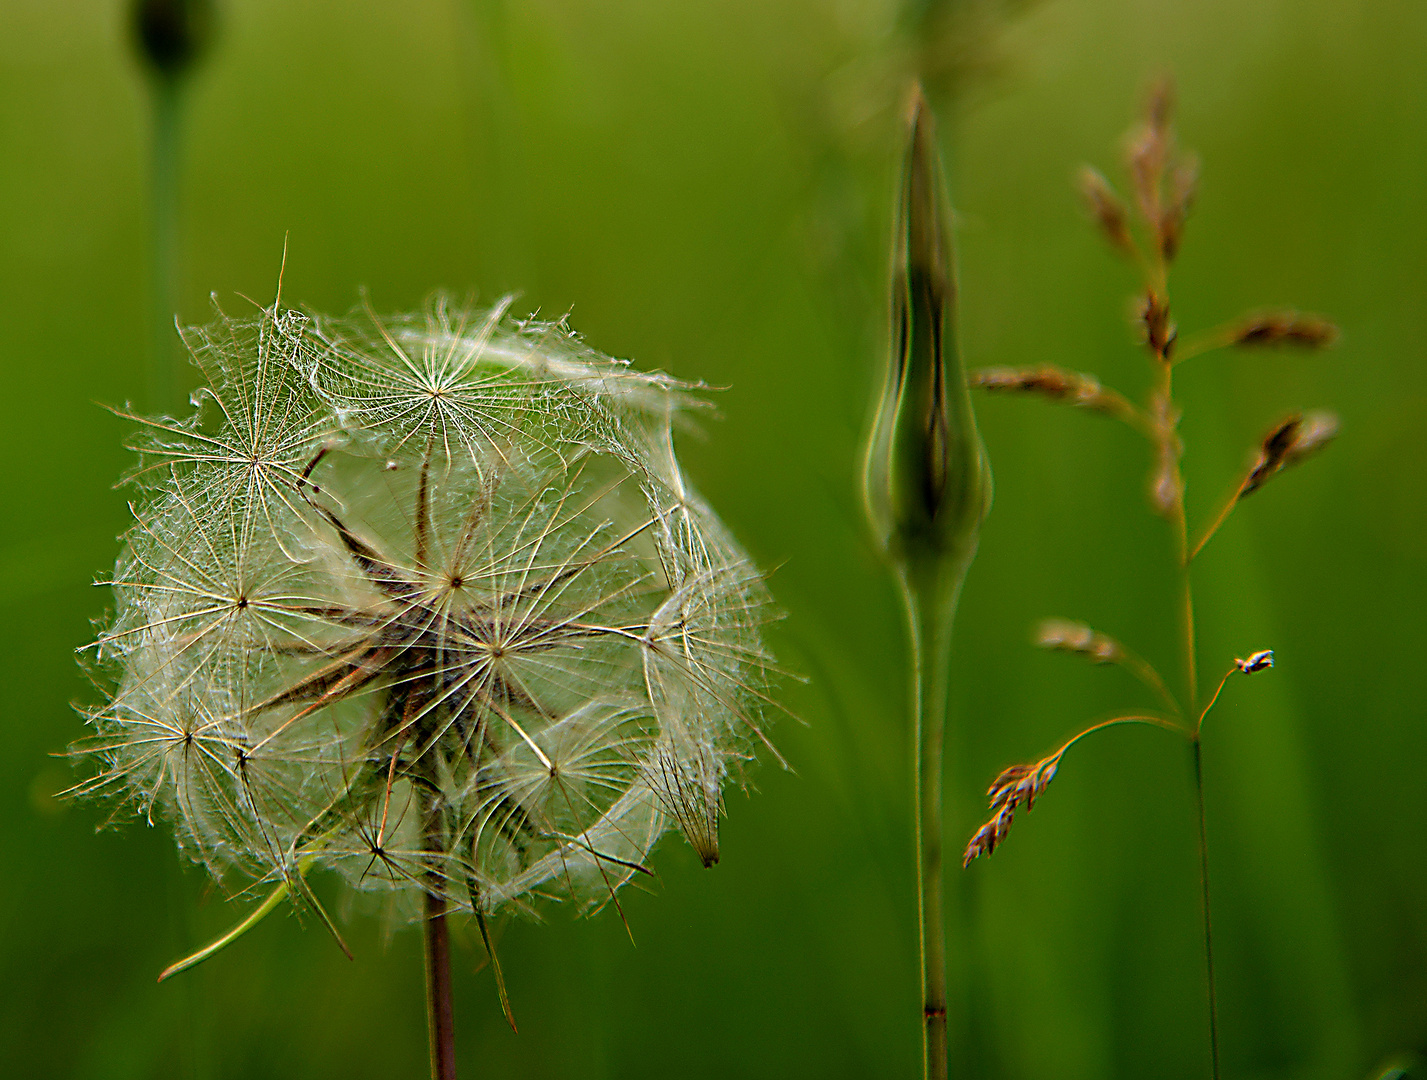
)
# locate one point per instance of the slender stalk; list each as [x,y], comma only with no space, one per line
[1204,890]
[1222,516]
[440,1023]
[1186,614]
[1191,676]
[1180,525]
[931,611]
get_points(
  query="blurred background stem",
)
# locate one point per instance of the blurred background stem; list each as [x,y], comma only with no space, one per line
[170,37]
[167,95]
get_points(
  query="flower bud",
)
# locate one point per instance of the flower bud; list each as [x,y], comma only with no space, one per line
[172,34]
[927,484]
[1259,661]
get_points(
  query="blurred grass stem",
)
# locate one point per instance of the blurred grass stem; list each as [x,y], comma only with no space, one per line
[1183,556]
[1208,922]
[169,38]
[163,249]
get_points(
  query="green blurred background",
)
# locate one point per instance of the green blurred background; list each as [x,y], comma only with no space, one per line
[706,187]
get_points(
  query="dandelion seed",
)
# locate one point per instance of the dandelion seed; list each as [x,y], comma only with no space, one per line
[426,601]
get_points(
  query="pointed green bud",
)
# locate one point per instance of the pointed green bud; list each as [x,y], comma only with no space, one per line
[927,483]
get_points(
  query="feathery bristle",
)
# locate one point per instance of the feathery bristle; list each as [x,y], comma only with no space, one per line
[426,600]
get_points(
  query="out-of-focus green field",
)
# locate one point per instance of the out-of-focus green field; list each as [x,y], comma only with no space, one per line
[706,187]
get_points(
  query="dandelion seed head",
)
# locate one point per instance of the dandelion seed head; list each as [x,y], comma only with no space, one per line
[426,600]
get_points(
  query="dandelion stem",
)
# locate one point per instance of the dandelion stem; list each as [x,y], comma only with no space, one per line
[439,1017]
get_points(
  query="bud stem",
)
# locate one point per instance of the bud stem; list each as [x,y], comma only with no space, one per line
[931,602]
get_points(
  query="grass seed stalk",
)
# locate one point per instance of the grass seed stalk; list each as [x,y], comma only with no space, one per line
[1148,233]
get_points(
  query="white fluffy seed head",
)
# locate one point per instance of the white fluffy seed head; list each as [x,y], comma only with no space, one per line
[426,600]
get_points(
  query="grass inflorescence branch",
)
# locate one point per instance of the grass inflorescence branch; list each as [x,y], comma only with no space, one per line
[1148,230]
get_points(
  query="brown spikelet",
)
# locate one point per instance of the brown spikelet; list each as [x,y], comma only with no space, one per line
[1148,150]
[1317,431]
[1064,635]
[1160,332]
[1284,328]
[1159,104]
[1164,182]
[1165,481]
[1020,785]
[1183,185]
[1057,384]
[1108,210]
[987,838]
[1287,444]
[1271,454]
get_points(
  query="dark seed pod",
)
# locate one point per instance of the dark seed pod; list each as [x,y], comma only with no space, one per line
[171,35]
